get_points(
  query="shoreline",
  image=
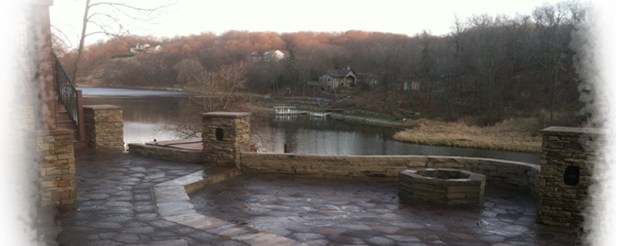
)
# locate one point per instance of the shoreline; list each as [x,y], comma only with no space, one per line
[512,143]
[517,141]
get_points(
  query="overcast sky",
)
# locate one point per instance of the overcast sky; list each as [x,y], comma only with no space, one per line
[396,16]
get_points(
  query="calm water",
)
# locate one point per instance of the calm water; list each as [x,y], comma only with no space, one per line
[147,111]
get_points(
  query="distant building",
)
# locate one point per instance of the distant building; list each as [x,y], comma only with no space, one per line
[411,86]
[336,78]
[267,56]
[145,48]
[366,79]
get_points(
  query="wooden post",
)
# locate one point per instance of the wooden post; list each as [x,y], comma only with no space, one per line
[41,66]
[80,117]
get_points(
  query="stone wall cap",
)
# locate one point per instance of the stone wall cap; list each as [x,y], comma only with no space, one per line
[103,106]
[59,131]
[225,114]
[571,131]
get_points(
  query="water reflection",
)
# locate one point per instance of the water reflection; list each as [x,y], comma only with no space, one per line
[146,112]
[310,135]
[144,116]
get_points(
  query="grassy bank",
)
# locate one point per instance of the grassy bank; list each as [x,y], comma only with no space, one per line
[520,134]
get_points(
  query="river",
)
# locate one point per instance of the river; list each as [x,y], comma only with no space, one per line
[145,113]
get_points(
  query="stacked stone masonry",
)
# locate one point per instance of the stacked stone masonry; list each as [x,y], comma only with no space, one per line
[500,173]
[225,136]
[564,148]
[57,167]
[18,118]
[442,186]
[5,149]
[104,127]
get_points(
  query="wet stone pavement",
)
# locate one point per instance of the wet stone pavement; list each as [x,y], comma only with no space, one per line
[331,212]
[115,207]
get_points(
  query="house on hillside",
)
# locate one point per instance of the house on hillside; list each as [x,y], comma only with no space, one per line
[145,48]
[267,56]
[336,78]
[411,86]
[367,79]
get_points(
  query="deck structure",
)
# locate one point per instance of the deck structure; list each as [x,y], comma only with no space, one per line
[285,110]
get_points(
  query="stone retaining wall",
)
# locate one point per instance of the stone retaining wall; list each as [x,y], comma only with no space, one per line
[57,170]
[507,174]
[166,153]
[18,118]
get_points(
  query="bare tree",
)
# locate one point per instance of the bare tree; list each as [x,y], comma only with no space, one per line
[112,18]
[216,86]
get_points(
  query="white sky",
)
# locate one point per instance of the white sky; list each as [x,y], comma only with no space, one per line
[396,16]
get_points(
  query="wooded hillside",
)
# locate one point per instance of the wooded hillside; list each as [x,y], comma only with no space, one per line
[490,67]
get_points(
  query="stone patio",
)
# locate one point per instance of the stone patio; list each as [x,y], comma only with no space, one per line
[115,207]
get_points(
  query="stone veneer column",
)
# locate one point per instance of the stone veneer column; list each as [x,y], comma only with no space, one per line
[18,118]
[567,163]
[5,149]
[57,170]
[104,127]
[225,136]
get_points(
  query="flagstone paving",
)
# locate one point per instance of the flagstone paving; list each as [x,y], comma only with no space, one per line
[115,206]
[333,212]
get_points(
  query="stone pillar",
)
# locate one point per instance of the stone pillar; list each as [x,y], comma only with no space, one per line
[225,136]
[567,163]
[45,73]
[57,170]
[4,151]
[104,127]
[18,118]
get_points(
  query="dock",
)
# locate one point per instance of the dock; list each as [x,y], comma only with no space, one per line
[287,110]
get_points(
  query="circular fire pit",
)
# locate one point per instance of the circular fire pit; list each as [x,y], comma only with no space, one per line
[442,185]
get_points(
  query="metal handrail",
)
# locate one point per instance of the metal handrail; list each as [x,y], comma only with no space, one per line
[21,82]
[67,93]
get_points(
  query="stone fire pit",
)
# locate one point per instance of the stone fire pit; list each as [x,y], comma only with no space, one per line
[442,186]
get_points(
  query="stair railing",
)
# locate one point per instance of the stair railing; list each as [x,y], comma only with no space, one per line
[21,82]
[70,97]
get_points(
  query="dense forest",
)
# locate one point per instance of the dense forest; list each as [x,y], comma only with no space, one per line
[489,67]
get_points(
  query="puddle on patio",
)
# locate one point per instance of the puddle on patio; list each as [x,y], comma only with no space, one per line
[332,212]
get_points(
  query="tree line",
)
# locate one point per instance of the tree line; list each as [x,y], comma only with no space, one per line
[488,66]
